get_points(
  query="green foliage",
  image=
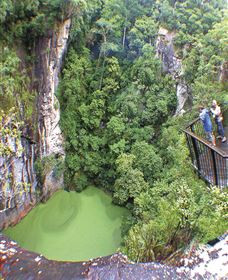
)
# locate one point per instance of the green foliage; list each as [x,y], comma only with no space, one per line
[47,164]
[147,160]
[130,182]
[150,241]
[203,62]
[22,22]
[173,214]
[99,118]
[14,85]
[144,32]
[191,17]
[29,19]
[116,126]
[117,117]
[10,129]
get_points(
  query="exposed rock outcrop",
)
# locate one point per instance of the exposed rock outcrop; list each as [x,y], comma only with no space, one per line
[172,65]
[206,263]
[20,188]
[49,52]
[18,184]
[223,75]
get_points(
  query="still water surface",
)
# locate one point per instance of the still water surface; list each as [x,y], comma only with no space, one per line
[72,226]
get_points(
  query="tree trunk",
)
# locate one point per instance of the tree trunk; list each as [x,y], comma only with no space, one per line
[102,73]
[124,36]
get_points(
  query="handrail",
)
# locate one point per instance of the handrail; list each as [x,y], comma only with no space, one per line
[206,143]
[211,162]
[194,121]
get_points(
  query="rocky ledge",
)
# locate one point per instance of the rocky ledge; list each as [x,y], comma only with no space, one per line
[205,263]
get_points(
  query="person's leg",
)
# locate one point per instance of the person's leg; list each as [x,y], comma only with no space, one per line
[210,137]
[221,129]
[218,132]
[213,139]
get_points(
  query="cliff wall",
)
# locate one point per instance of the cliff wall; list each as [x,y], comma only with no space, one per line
[172,65]
[20,187]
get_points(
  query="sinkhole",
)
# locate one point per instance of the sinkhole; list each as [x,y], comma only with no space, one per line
[72,226]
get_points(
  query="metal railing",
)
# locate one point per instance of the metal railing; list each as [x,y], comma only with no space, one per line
[210,162]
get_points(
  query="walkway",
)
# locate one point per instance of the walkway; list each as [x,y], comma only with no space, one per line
[223,146]
[210,162]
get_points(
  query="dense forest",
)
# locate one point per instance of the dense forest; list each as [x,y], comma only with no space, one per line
[118,107]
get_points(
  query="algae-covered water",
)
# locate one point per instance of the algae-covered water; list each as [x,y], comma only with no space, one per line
[72,226]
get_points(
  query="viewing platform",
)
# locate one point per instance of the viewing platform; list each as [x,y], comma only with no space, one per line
[211,162]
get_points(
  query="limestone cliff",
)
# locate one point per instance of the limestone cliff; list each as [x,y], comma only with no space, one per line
[172,65]
[20,187]
[50,51]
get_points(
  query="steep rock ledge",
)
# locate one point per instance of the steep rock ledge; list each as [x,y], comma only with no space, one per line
[20,188]
[49,52]
[18,184]
[202,263]
[172,65]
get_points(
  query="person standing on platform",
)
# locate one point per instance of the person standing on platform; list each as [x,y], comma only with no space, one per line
[217,115]
[207,124]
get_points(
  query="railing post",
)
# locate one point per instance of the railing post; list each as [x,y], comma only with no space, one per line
[189,147]
[214,167]
[226,168]
[194,144]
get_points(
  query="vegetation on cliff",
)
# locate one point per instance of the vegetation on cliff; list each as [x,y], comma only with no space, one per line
[29,31]
[21,23]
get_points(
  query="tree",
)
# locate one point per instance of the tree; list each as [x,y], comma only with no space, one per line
[143,32]
[147,160]
[130,182]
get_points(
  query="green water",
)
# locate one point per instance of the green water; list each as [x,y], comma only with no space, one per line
[72,226]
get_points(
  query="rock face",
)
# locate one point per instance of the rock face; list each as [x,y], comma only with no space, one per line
[20,188]
[206,263]
[223,76]
[50,51]
[18,184]
[172,65]
[17,263]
